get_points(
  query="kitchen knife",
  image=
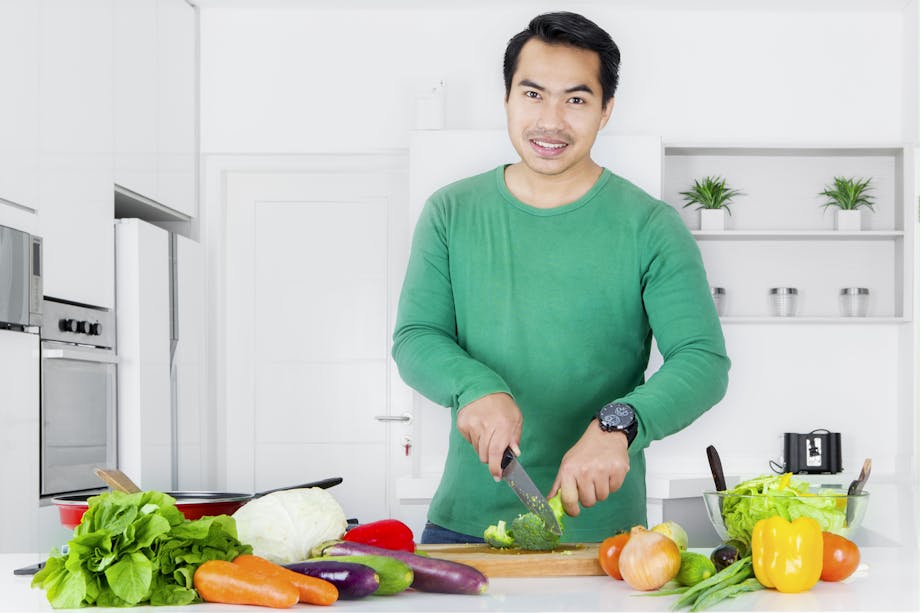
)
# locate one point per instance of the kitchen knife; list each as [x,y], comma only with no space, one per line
[514,475]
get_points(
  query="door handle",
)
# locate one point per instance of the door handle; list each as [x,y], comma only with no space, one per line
[404,418]
[77,355]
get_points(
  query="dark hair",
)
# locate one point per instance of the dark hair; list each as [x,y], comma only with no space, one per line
[566,28]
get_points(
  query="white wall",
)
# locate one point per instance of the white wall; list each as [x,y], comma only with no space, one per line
[291,79]
[282,79]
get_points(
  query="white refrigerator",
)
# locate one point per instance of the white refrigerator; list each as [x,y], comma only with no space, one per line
[163,419]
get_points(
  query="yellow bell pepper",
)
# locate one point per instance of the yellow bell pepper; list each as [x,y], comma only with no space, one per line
[787,555]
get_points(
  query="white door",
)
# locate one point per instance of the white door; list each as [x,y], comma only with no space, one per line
[314,265]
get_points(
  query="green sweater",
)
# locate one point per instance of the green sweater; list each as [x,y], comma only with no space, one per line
[556,307]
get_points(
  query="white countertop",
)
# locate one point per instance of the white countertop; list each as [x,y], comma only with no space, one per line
[886,581]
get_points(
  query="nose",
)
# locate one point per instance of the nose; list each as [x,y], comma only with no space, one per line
[552,116]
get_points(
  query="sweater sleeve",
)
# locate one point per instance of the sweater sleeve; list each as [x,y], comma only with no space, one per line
[683,319]
[425,341]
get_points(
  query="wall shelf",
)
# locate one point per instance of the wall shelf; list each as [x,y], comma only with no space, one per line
[816,320]
[797,235]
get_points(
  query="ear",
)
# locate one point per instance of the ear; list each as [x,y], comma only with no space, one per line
[605,114]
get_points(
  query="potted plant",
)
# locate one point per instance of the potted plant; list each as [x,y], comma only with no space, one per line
[712,197]
[848,194]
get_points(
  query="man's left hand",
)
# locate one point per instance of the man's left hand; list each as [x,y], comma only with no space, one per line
[592,469]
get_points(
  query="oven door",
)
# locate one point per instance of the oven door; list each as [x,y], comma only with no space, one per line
[78,416]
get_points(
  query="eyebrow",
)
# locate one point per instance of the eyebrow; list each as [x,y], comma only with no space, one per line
[577,88]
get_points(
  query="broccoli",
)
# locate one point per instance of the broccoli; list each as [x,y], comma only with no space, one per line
[527,531]
[497,536]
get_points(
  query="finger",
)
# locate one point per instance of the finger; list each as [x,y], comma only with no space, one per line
[586,494]
[569,496]
[496,453]
[482,447]
[554,489]
[601,489]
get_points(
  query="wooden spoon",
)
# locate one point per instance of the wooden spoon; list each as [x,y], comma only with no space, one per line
[117,480]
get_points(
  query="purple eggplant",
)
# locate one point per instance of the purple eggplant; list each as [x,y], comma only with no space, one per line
[431,574]
[352,580]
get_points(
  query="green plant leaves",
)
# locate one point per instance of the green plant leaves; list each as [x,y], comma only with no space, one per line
[130,577]
[133,549]
[849,193]
[710,193]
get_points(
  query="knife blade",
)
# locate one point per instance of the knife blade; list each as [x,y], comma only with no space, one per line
[523,486]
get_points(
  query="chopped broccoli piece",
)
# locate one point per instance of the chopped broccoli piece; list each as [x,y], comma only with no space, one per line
[497,536]
[530,533]
[527,531]
[555,503]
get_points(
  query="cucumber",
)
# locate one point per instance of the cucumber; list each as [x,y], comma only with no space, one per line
[352,580]
[431,574]
[395,575]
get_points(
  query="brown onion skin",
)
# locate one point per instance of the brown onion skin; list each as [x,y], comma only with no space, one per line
[648,560]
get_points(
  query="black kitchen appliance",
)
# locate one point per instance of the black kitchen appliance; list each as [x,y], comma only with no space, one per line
[813,453]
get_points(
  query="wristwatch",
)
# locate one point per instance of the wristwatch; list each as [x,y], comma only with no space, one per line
[619,417]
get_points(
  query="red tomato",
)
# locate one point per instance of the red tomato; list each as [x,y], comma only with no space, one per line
[841,558]
[608,554]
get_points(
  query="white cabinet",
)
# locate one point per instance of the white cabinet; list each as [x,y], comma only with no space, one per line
[177,102]
[135,95]
[19,414]
[155,97]
[75,150]
[19,29]
[144,420]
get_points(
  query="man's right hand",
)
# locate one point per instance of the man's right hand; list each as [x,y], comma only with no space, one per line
[491,424]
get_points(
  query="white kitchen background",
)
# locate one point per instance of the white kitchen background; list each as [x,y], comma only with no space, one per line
[312,169]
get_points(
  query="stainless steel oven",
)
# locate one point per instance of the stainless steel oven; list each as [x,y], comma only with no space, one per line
[78,400]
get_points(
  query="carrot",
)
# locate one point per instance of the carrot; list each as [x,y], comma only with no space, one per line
[228,583]
[312,589]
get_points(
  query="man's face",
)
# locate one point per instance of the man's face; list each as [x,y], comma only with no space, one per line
[555,107]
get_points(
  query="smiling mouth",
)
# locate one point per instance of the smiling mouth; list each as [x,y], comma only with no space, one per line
[548,148]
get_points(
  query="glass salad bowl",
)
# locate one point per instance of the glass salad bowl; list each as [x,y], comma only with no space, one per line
[733,513]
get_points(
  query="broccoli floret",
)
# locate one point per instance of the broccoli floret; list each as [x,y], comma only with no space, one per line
[497,536]
[530,532]
[527,531]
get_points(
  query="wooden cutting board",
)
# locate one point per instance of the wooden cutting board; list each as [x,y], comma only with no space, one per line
[568,560]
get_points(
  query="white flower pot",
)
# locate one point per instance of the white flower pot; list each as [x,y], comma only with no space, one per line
[849,220]
[712,219]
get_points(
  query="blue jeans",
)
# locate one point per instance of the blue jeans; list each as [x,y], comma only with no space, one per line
[434,533]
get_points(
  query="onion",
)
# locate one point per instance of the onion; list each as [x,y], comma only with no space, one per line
[649,560]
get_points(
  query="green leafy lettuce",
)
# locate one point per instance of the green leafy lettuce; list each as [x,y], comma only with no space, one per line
[781,495]
[133,549]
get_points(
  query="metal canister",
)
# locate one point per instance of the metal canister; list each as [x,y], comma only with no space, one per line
[784,301]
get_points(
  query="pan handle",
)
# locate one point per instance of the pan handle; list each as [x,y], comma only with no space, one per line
[324,484]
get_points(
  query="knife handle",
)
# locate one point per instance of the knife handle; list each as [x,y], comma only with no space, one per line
[715,465]
[507,457]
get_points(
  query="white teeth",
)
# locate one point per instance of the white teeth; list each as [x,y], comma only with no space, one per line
[550,145]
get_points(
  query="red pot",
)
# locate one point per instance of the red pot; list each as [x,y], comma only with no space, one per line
[193,505]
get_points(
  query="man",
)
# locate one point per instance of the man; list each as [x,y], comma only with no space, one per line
[530,300]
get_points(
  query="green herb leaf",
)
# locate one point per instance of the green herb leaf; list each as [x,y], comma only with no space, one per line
[130,577]
[136,548]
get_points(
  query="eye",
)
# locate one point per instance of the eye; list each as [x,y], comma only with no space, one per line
[532,94]
[577,100]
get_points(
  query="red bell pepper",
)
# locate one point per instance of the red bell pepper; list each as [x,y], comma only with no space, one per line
[385,533]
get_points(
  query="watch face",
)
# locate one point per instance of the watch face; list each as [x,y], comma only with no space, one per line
[616,417]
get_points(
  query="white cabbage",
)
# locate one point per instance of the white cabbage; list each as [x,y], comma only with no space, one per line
[284,526]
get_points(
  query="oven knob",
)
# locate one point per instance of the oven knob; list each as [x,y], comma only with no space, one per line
[95,329]
[83,327]
[68,325]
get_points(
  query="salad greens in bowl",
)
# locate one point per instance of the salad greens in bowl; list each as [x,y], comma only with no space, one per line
[734,512]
